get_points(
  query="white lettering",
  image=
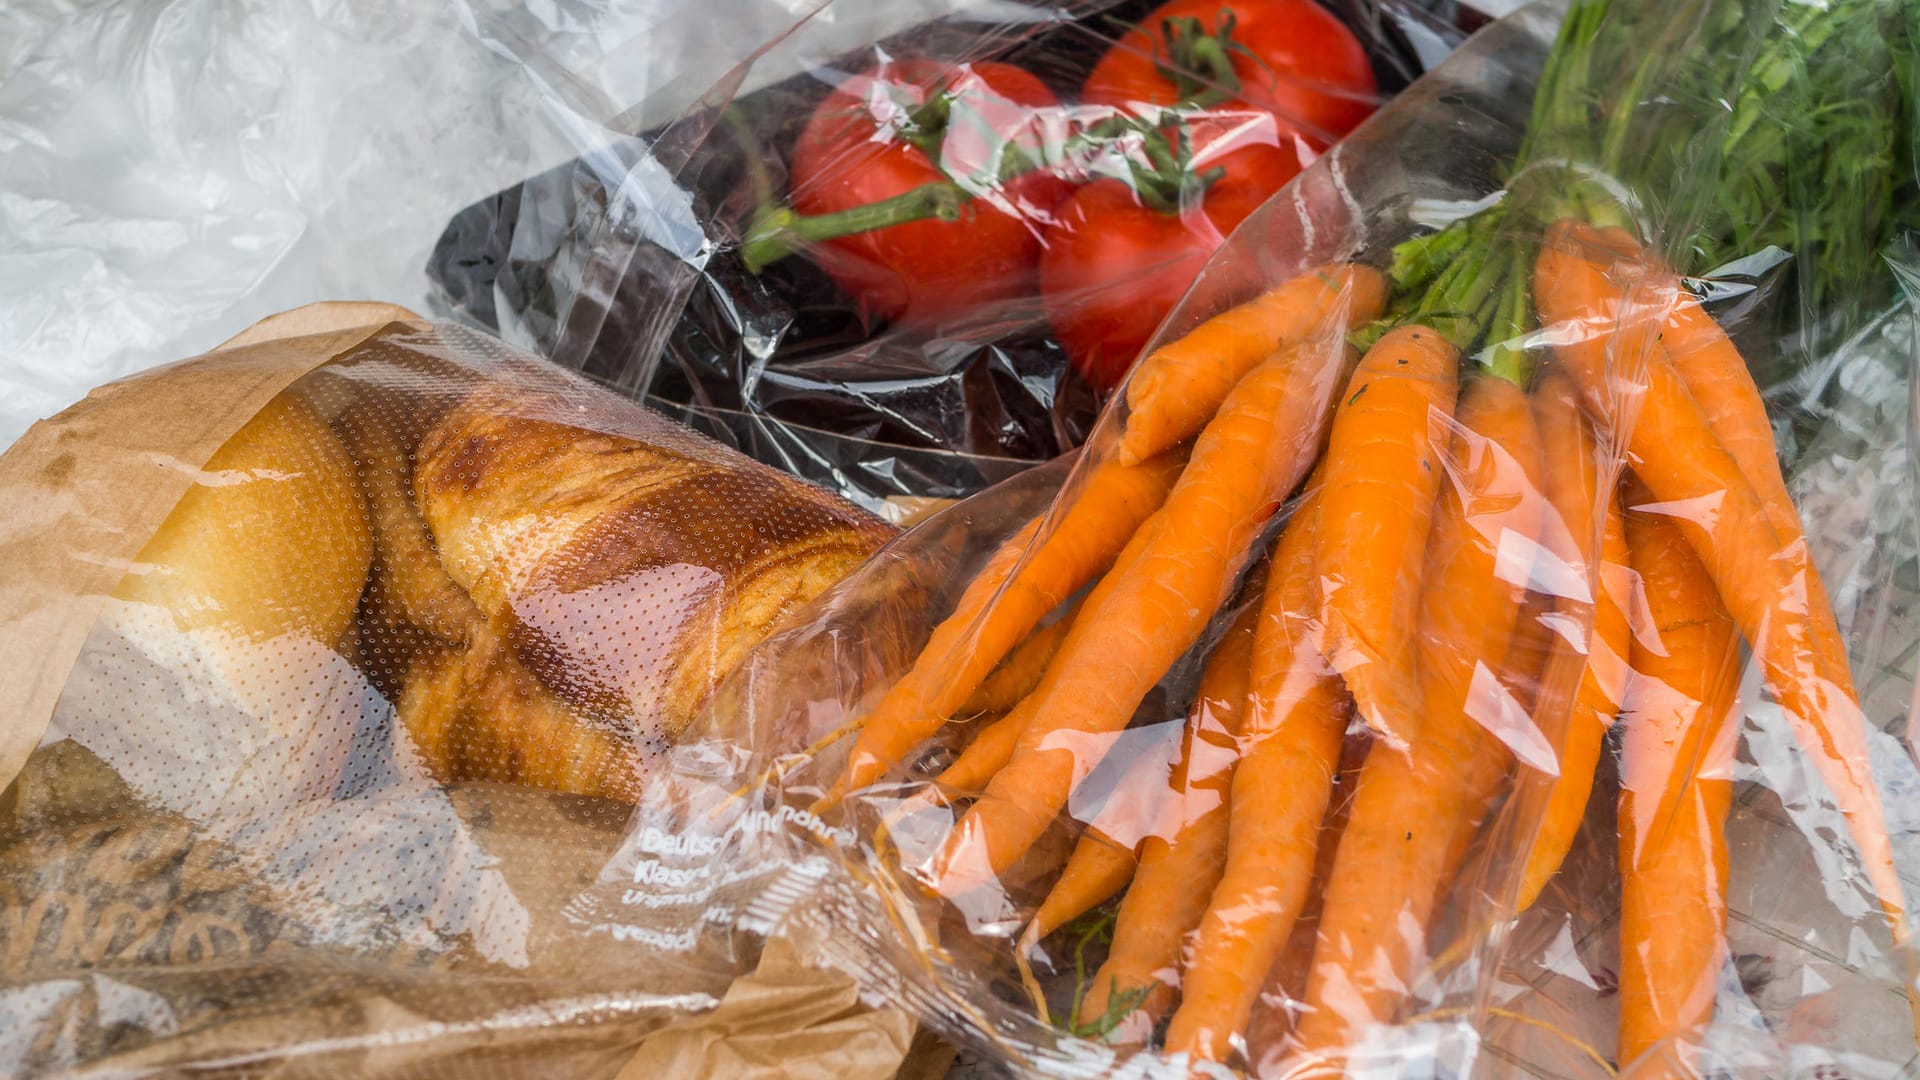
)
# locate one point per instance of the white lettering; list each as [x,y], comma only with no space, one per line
[681,942]
[655,842]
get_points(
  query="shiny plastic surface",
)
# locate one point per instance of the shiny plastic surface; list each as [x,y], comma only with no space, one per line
[927,358]
[173,174]
[1556,749]
[368,708]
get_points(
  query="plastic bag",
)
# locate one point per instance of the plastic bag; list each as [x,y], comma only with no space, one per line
[896,362]
[341,652]
[171,176]
[1389,823]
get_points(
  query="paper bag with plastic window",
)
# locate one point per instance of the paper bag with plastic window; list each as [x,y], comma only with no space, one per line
[336,657]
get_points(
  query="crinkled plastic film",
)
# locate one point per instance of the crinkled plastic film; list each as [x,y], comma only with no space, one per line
[370,706]
[166,188]
[891,362]
[328,852]
[939,763]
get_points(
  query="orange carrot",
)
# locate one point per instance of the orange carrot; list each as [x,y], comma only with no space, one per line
[1178,387]
[1381,478]
[986,754]
[1717,376]
[1020,672]
[1099,867]
[1181,859]
[1418,804]
[1290,749]
[991,748]
[1107,854]
[1676,768]
[1104,859]
[1629,379]
[1149,611]
[1274,1010]
[1020,584]
[1580,485]
[1535,647]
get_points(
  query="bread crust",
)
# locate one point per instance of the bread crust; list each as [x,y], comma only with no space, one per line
[475,713]
[618,582]
[271,539]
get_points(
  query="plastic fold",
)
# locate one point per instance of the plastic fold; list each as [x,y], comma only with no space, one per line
[325,728]
[920,359]
[1570,735]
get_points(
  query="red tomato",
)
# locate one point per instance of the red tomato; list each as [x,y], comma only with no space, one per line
[1295,60]
[1255,156]
[1111,271]
[1115,265]
[859,148]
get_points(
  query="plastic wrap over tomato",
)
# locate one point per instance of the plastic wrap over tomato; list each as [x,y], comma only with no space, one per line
[910,183]
[920,129]
[1475,640]
[924,264]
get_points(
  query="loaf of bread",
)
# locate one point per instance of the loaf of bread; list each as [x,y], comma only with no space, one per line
[586,591]
[220,669]
[271,539]
[476,713]
[546,584]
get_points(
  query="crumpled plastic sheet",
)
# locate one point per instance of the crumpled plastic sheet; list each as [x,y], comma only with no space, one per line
[171,173]
[625,264]
[1812,980]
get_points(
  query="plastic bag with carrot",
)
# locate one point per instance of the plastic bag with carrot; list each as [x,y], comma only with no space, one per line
[1475,640]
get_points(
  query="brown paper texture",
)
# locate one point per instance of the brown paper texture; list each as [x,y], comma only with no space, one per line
[567,1014]
[90,878]
[785,1020]
[79,512]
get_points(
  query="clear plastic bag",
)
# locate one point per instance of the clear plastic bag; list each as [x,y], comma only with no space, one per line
[1447,688]
[919,359]
[259,859]
[343,651]
[173,175]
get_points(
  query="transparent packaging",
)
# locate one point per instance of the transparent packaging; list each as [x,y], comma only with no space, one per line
[1473,640]
[887,272]
[173,175]
[344,651]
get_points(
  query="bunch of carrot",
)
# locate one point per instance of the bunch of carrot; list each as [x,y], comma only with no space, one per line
[1484,548]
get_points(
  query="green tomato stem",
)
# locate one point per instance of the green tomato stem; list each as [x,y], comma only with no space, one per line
[1211,55]
[777,231]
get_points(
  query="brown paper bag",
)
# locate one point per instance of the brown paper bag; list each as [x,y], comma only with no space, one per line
[249,921]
